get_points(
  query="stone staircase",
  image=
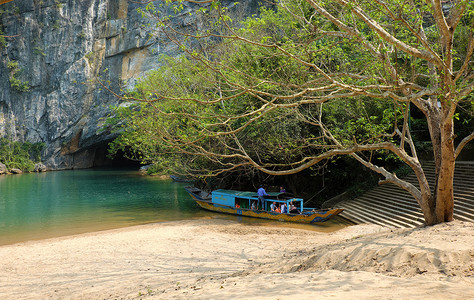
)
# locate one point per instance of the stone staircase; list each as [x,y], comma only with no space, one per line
[391,206]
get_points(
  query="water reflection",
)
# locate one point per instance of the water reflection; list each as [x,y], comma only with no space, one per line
[64,202]
[44,205]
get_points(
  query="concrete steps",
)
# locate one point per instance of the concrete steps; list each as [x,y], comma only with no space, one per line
[391,206]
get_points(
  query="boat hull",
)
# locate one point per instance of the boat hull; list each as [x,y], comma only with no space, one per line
[308,217]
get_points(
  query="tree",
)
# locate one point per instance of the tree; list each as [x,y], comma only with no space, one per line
[304,63]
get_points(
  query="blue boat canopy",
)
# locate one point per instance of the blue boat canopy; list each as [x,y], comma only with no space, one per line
[245,194]
[244,199]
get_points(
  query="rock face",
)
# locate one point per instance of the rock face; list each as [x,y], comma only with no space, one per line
[40,167]
[16,171]
[53,51]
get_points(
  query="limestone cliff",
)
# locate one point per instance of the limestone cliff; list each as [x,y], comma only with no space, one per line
[53,51]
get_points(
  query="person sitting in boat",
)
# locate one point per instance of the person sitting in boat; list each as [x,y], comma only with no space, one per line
[282,189]
[253,205]
[261,192]
[273,206]
[277,209]
[293,209]
[283,208]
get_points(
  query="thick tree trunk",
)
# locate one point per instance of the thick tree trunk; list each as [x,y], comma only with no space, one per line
[427,204]
[438,203]
[444,192]
[433,118]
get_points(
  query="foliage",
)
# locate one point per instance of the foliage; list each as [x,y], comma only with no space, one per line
[308,81]
[20,155]
[57,25]
[3,42]
[16,83]
[58,4]
[38,51]
[277,137]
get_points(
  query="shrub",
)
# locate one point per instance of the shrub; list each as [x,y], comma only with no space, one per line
[20,155]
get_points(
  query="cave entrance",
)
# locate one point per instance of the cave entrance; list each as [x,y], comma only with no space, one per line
[119,161]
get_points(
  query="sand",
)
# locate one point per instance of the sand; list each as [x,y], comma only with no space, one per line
[222,259]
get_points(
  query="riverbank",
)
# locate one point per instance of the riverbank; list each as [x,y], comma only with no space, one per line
[222,259]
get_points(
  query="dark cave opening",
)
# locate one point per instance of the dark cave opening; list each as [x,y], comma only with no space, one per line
[101,159]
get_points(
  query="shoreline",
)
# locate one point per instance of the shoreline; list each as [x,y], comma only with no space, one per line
[28,236]
[216,258]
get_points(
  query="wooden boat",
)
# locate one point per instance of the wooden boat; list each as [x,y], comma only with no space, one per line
[239,203]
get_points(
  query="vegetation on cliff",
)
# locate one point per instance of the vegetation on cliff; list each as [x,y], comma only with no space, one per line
[18,155]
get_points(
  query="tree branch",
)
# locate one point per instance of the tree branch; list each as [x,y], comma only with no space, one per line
[462,144]
[423,54]
[5,1]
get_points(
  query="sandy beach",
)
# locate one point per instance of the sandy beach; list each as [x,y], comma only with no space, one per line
[222,259]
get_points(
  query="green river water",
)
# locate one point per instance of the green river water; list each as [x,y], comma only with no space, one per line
[44,205]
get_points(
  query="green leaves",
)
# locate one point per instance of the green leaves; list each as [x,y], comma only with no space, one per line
[15,82]
[20,155]
[284,86]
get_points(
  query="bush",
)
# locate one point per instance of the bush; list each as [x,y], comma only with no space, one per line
[20,155]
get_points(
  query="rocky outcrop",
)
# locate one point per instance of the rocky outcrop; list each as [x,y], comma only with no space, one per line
[16,171]
[40,167]
[54,51]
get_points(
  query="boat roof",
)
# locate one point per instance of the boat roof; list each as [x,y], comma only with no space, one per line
[236,193]
[246,194]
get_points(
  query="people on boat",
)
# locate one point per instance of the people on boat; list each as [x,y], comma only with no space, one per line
[273,206]
[283,208]
[293,209]
[261,193]
[237,205]
[278,209]
[254,206]
[282,189]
